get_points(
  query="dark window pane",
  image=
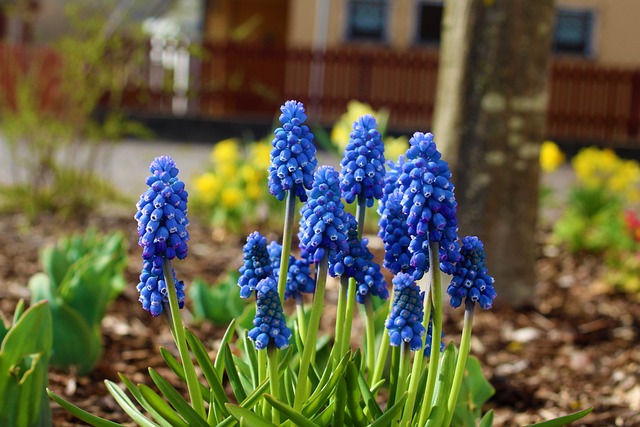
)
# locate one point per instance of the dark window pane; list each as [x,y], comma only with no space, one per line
[367,20]
[429,23]
[573,32]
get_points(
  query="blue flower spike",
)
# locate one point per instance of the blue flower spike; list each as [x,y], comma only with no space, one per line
[257,265]
[270,325]
[405,320]
[162,229]
[471,282]
[162,213]
[323,221]
[293,156]
[363,162]
[299,278]
[429,203]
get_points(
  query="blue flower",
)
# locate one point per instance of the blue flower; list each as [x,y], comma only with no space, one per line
[405,320]
[162,213]
[358,263]
[429,204]
[270,325]
[471,281]
[363,162]
[293,157]
[153,288]
[257,265]
[299,278]
[323,228]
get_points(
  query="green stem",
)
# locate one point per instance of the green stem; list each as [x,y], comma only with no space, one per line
[461,363]
[383,350]
[371,336]
[348,319]
[361,210]
[394,372]
[403,371]
[193,384]
[302,320]
[312,333]
[340,316]
[274,381]
[436,302]
[416,370]
[287,233]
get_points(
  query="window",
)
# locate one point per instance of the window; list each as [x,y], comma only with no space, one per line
[429,22]
[367,20]
[573,32]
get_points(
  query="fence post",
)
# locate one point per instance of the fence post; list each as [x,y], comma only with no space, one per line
[634,108]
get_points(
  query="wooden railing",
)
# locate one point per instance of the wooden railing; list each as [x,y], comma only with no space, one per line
[587,102]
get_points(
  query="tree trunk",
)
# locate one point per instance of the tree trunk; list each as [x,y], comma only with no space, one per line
[493,139]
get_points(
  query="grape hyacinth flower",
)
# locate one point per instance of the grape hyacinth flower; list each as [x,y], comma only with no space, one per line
[323,228]
[405,320]
[162,213]
[270,325]
[293,155]
[257,265]
[395,235]
[299,278]
[471,281]
[429,203]
[358,263]
[153,288]
[363,162]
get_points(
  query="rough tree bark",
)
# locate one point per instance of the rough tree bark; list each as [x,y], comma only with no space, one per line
[495,54]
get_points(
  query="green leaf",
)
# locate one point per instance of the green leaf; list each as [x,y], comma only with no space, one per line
[81,413]
[288,412]
[319,397]
[487,420]
[353,396]
[127,405]
[340,403]
[252,419]
[391,413]
[177,401]
[55,263]
[162,408]
[232,374]
[141,400]
[369,399]
[563,421]
[443,384]
[475,391]
[252,357]
[226,339]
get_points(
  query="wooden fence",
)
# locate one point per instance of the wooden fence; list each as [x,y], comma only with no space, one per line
[587,103]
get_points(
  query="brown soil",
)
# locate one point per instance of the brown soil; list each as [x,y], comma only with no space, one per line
[577,348]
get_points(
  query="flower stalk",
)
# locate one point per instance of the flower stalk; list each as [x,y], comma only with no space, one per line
[287,234]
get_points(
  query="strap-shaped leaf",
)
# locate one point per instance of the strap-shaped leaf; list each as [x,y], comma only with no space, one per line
[353,396]
[369,399]
[289,413]
[177,401]
[564,420]
[326,415]
[391,413]
[226,339]
[289,380]
[252,418]
[340,403]
[249,402]
[81,414]
[127,405]
[319,398]
[443,385]
[436,416]
[232,373]
[252,357]
[487,420]
[141,400]
[208,369]
[176,368]
[162,408]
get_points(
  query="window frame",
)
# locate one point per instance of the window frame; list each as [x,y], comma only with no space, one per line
[417,23]
[590,16]
[349,35]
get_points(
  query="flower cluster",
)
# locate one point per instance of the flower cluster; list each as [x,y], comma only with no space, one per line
[293,155]
[429,204]
[471,281]
[162,229]
[363,170]
[153,288]
[299,278]
[270,325]
[358,263]
[257,265]
[323,227]
[405,320]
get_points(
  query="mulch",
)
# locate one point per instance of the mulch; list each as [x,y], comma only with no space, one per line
[576,348]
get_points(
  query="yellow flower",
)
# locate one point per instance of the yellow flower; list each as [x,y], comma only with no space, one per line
[250,175]
[260,154]
[551,157]
[207,186]
[254,192]
[394,147]
[225,151]
[342,129]
[231,198]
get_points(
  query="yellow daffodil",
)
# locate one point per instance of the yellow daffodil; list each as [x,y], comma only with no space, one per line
[231,197]
[551,157]
[394,147]
[207,186]
[225,151]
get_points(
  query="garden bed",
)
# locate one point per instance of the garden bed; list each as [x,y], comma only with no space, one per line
[576,348]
